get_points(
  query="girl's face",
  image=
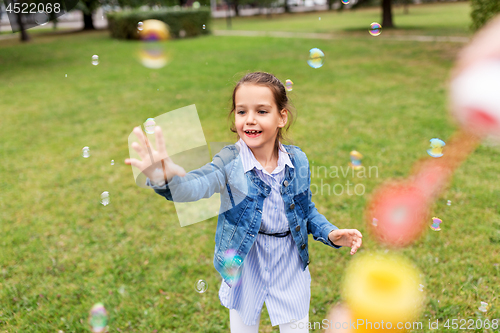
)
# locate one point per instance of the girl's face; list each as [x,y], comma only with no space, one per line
[257,119]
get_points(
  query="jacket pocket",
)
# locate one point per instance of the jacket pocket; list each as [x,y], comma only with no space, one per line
[302,202]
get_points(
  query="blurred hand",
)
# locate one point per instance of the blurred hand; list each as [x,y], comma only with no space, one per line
[156,165]
[346,237]
[485,45]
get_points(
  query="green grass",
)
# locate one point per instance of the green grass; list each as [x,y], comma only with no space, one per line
[434,19]
[61,251]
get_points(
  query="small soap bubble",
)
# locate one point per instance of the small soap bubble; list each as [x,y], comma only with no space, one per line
[375,29]
[436,148]
[231,267]
[316,58]
[319,19]
[98,318]
[203,27]
[483,307]
[95,60]
[41,18]
[201,286]
[356,158]
[375,222]
[149,126]
[140,26]
[420,287]
[448,202]
[86,152]
[121,290]
[112,162]
[182,33]
[65,75]
[345,2]
[105,198]
[196,5]
[435,224]
[289,85]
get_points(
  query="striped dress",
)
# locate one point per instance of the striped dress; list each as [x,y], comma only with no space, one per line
[272,271]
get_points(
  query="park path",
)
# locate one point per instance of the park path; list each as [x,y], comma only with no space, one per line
[102,24]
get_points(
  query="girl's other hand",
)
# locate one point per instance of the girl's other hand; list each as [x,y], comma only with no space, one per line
[347,237]
[155,164]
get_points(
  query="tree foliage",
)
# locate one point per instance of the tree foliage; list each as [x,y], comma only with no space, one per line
[483,11]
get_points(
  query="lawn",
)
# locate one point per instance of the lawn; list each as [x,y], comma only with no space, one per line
[62,251]
[449,19]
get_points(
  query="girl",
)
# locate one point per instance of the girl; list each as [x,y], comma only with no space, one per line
[266,209]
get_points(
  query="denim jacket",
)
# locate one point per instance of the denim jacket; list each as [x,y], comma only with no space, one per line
[242,199]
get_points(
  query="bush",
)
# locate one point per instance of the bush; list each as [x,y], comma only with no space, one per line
[123,25]
[482,11]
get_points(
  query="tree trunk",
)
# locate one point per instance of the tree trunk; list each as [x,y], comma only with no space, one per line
[287,7]
[387,14]
[88,24]
[24,35]
[236,10]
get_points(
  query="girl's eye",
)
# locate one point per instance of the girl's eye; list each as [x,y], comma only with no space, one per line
[241,112]
[262,111]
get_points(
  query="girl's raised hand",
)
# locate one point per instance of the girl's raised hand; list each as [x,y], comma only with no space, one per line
[346,237]
[155,164]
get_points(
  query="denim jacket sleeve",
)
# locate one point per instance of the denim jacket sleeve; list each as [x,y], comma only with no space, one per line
[317,224]
[200,183]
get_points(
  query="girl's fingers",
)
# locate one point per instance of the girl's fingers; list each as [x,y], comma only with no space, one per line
[142,139]
[134,162]
[140,150]
[160,143]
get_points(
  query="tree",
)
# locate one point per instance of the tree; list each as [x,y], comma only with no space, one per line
[482,11]
[88,7]
[387,14]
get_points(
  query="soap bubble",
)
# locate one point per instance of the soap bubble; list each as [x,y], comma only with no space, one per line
[196,5]
[356,158]
[231,267]
[203,27]
[316,58]
[95,60]
[149,126]
[112,162]
[201,286]
[448,202]
[436,149]
[41,18]
[65,75]
[375,29]
[483,307]
[435,224]
[345,2]
[420,287]
[375,222]
[86,152]
[140,26]
[98,318]
[105,198]
[289,85]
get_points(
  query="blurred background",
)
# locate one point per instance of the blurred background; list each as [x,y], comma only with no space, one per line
[86,78]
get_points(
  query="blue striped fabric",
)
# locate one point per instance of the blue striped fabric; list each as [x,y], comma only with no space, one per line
[272,271]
